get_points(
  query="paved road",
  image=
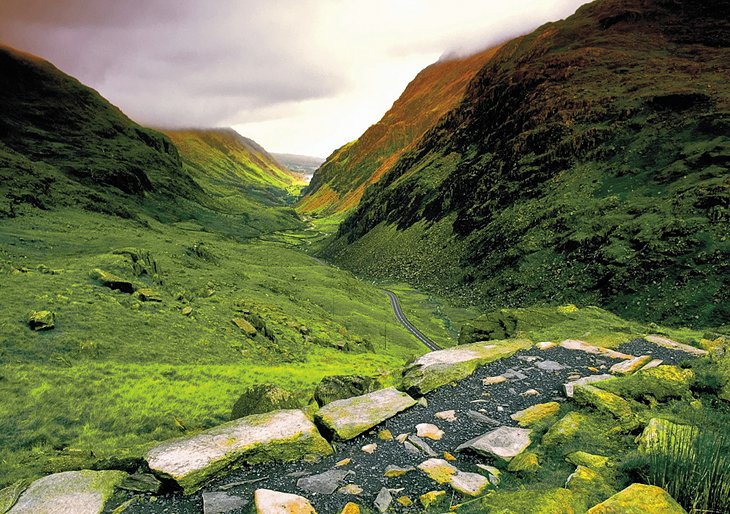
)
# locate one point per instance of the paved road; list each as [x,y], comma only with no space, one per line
[409,326]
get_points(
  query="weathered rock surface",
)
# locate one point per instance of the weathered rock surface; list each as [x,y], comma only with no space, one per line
[674,345]
[502,443]
[77,492]
[113,282]
[148,295]
[525,462]
[429,431]
[274,502]
[383,500]
[565,429]
[630,366]
[323,483]
[262,398]
[280,435]
[658,434]
[569,387]
[245,326]
[587,460]
[442,367]
[345,419]
[440,471]
[41,320]
[550,366]
[639,499]
[222,503]
[141,483]
[392,471]
[340,387]
[573,344]
[535,413]
[604,401]
[10,494]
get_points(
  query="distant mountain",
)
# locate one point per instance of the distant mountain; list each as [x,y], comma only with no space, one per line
[587,162]
[340,182]
[299,163]
[62,144]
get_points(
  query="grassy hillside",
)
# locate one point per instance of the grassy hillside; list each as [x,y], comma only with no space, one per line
[587,164]
[340,182]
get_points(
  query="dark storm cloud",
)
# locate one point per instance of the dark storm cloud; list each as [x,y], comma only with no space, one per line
[179,62]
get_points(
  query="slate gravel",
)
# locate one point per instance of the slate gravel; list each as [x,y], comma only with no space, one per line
[496,402]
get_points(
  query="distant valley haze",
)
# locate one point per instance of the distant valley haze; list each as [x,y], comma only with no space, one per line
[298,77]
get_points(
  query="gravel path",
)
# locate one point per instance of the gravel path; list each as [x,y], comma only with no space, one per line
[528,369]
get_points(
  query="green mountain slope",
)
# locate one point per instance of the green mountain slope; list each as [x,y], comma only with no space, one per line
[588,163]
[339,183]
[62,144]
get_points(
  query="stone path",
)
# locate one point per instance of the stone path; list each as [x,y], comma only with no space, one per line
[390,460]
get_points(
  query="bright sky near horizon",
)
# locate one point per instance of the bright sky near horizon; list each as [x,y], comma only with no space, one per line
[297,76]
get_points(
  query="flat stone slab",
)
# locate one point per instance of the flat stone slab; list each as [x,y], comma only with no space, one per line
[574,344]
[503,443]
[222,503]
[550,366]
[569,387]
[674,345]
[345,419]
[442,367]
[275,502]
[630,366]
[79,492]
[441,472]
[280,435]
[639,498]
[323,483]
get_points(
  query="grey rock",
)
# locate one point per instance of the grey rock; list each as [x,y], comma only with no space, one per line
[481,418]
[411,448]
[323,483]
[383,500]
[514,374]
[222,503]
[550,366]
[340,387]
[569,387]
[421,445]
[503,443]
[141,483]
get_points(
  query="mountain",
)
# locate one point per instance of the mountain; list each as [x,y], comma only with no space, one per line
[587,163]
[226,163]
[305,164]
[62,144]
[340,182]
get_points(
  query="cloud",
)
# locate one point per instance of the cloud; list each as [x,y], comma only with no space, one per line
[302,76]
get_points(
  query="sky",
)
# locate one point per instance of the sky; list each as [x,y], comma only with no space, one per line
[297,76]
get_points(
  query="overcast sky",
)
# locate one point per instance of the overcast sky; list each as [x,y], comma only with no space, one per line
[299,76]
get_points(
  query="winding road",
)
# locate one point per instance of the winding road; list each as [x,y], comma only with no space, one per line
[409,326]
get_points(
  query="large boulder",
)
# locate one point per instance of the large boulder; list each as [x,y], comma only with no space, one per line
[276,436]
[503,443]
[639,499]
[262,398]
[660,383]
[113,281]
[565,429]
[79,492]
[436,369]
[345,419]
[604,401]
[340,387]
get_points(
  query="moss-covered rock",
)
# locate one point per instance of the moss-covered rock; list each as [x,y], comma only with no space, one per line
[348,418]
[607,402]
[565,429]
[80,492]
[589,460]
[659,433]
[262,398]
[441,472]
[660,384]
[41,320]
[340,387]
[147,294]
[433,500]
[10,494]
[112,281]
[246,327]
[535,413]
[525,462]
[590,484]
[639,499]
[276,436]
[631,366]
[442,367]
[550,501]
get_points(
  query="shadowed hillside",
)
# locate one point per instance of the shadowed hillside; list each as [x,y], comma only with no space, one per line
[339,183]
[587,163]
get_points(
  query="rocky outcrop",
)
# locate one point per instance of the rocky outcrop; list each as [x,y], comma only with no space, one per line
[345,419]
[604,401]
[436,369]
[639,499]
[340,387]
[114,282]
[281,435]
[503,443]
[80,492]
[262,398]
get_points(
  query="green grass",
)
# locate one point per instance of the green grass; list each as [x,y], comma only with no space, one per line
[117,374]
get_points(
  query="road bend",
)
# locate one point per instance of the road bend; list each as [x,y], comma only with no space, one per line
[409,326]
